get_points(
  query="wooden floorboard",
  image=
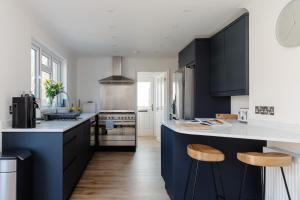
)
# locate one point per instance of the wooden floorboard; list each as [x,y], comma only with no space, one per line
[123,175]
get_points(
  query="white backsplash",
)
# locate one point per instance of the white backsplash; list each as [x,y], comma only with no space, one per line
[238,102]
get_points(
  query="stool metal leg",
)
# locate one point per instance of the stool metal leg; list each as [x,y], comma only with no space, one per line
[263,183]
[188,178]
[214,180]
[221,181]
[285,183]
[243,183]
[195,180]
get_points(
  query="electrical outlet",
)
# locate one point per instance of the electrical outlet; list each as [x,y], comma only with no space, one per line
[265,110]
[257,109]
[271,110]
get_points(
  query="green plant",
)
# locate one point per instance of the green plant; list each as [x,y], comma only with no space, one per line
[52,89]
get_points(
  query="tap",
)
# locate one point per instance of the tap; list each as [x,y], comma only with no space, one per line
[68,98]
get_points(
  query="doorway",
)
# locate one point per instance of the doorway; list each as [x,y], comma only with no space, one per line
[152,95]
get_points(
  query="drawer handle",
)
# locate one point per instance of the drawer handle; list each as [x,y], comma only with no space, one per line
[143,111]
[69,141]
[72,161]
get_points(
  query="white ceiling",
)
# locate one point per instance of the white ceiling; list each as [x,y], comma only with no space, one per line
[132,27]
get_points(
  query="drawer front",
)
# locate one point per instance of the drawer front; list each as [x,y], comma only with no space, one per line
[70,178]
[70,148]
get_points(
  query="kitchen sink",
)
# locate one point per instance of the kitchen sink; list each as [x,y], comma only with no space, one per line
[62,116]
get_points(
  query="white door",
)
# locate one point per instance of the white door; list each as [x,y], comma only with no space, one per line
[145,87]
[160,84]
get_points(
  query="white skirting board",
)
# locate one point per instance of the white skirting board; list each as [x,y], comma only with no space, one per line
[275,189]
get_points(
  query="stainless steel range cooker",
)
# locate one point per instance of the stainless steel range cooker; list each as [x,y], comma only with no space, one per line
[117,129]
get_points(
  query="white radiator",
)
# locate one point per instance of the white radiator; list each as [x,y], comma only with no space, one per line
[275,189]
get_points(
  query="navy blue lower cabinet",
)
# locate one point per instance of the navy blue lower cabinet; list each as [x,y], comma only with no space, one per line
[167,159]
[176,163]
[59,159]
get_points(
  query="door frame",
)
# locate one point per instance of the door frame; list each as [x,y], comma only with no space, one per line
[166,95]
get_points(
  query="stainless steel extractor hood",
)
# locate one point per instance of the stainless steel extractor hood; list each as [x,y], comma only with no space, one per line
[117,77]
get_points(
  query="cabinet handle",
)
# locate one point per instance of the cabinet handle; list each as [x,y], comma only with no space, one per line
[143,111]
[69,141]
[72,161]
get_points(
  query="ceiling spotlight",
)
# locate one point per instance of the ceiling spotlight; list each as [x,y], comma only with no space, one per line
[186,11]
[110,11]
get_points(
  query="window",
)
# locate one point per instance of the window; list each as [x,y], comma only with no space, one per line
[45,65]
[144,91]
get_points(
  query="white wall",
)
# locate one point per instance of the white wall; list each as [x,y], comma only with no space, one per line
[18,28]
[274,70]
[238,102]
[90,70]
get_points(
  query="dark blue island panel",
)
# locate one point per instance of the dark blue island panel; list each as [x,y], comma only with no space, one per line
[175,166]
[59,159]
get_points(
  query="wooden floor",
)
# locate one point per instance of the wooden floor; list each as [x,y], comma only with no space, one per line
[124,176]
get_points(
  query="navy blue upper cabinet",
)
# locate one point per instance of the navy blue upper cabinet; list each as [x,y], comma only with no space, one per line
[187,55]
[197,53]
[230,59]
[218,72]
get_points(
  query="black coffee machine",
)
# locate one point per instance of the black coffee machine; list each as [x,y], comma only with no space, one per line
[23,111]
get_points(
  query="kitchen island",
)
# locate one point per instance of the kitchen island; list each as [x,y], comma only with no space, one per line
[231,138]
[61,151]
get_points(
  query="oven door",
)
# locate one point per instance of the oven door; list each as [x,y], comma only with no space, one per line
[123,134]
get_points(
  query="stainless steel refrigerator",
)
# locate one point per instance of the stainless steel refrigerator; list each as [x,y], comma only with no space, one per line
[183,93]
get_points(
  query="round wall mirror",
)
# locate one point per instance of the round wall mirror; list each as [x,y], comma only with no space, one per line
[288,25]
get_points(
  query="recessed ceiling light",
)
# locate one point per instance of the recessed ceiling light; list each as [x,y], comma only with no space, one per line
[110,11]
[186,11]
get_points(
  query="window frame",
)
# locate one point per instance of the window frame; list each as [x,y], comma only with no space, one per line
[37,70]
[52,58]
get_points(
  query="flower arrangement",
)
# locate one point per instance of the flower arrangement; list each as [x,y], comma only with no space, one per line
[52,89]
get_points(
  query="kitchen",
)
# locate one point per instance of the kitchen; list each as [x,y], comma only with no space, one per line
[84,51]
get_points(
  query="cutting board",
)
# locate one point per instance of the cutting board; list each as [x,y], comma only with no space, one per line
[192,126]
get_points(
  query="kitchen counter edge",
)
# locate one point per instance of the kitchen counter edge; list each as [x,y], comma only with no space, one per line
[55,126]
[242,131]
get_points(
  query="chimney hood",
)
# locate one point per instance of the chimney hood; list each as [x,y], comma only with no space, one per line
[117,77]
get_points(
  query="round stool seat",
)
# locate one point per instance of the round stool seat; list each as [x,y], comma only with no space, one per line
[205,153]
[265,159]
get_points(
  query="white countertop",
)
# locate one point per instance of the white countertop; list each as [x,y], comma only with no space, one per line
[235,129]
[55,125]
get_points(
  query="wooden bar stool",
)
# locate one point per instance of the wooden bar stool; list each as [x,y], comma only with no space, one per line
[204,153]
[264,160]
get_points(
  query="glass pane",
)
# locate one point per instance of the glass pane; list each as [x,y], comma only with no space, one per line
[45,60]
[33,70]
[44,76]
[144,92]
[55,71]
